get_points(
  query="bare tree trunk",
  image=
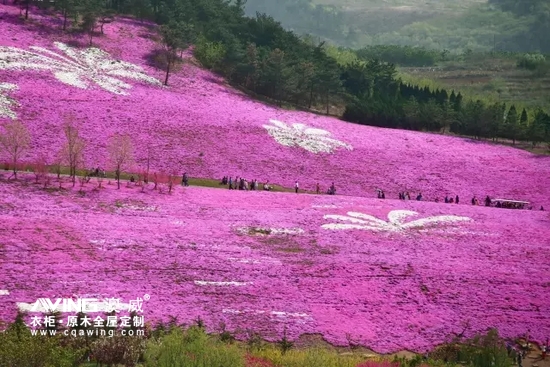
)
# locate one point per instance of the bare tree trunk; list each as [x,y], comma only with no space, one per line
[64,19]
[169,61]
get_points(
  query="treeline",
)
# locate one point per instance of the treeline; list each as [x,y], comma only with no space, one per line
[403,55]
[304,17]
[257,54]
[411,107]
[537,15]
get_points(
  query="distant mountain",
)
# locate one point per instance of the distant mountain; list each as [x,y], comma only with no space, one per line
[478,25]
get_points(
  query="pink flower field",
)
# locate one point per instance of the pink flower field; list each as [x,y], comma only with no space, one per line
[199,125]
[387,274]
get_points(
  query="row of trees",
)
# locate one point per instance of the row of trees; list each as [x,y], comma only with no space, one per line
[422,109]
[15,141]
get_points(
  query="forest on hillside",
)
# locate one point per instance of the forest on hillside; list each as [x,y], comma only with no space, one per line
[258,55]
[507,25]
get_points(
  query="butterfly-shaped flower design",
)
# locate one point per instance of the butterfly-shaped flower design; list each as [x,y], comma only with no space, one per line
[311,139]
[79,68]
[395,223]
[6,103]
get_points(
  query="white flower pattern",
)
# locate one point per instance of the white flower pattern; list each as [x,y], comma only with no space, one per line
[311,139]
[395,221]
[78,68]
[6,103]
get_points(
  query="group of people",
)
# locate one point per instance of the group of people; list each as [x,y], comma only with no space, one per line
[96,172]
[404,196]
[523,349]
[240,183]
[330,191]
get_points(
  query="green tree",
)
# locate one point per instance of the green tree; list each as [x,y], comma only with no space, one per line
[413,113]
[175,36]
[253,66]
[523,124]
[447,116]
[275,74]
[536,133]
[512,127]
[67,8]
[90,11]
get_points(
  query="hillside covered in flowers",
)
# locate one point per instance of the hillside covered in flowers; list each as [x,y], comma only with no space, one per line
[200,125]
[386,274]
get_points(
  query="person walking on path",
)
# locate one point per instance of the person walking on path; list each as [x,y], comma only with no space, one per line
[185,180]
[296,187]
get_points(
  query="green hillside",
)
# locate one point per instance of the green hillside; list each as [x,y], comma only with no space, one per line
[477,25]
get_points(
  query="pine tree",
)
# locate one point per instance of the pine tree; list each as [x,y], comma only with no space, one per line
[536,130]
[512,124]
[457,105]
[523,125]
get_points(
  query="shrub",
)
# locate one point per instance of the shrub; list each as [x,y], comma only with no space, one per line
[378,364]
[192,347]
[310,357]
[531,61]
[402,55]
[210,54]
[18,348]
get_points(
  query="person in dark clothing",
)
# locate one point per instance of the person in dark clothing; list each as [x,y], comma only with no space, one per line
[487,201]
[419,197]
[185,179]
[446,199]
[456,199]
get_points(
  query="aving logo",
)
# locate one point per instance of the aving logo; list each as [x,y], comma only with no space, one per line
[68,305]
